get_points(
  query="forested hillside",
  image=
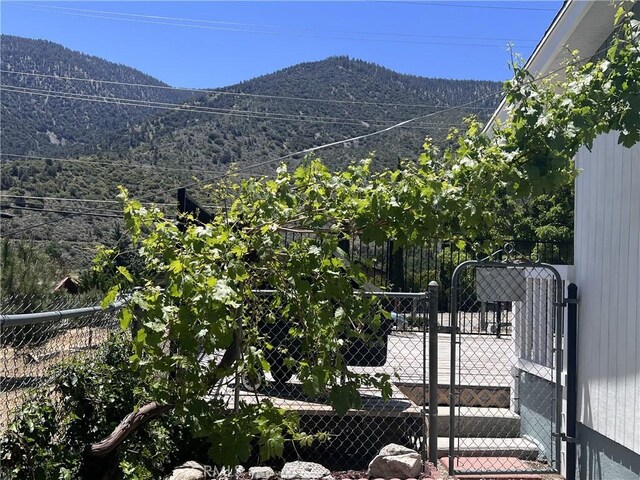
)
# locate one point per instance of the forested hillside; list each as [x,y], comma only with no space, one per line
[44,115]
[95,145]
[307,105]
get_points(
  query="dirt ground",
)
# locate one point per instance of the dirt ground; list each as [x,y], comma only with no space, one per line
[26,366]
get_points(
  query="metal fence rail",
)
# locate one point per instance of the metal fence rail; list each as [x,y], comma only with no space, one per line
[32,343]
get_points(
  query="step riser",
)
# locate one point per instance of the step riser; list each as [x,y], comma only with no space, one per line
[479,452]
[489,448]
[467,395]
[477,427]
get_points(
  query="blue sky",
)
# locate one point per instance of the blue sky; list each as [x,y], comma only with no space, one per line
[213,44]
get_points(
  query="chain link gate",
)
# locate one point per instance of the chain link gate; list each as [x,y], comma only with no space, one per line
[505,397]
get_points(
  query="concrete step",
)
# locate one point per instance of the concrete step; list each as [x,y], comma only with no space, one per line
[489,447]
[480,422]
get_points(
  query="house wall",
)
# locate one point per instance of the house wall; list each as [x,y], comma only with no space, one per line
[600,458]
[537,412]
[607,272]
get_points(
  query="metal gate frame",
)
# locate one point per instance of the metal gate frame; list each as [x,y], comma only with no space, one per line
[513,260]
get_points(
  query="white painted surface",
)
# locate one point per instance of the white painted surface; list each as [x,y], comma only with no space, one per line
[607,272]
[534,318]
[581,25]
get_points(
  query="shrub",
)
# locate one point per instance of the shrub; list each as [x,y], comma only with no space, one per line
[83,403]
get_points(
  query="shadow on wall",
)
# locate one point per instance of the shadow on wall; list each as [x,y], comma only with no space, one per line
[600,458]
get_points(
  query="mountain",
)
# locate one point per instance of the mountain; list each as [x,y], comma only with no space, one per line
[38,122]
[307,105]
[98,145]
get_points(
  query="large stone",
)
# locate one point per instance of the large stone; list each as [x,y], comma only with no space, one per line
[395,461]
[395,449]
[261,473]
[189,471]
[303,471]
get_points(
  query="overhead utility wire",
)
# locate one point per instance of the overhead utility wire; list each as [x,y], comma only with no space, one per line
[79,200]
[284,157]
[62,212]
[199,109]
[86,200]
[333,144]
[472,5]
[44,8]
[484,97]
[30,240]
[287,27]
[107,164]
[239,94]
[159,104]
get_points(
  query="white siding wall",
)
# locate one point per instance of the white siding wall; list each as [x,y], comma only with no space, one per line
[607,272]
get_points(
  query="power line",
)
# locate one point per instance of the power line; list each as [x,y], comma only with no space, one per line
[474,5]
[32,197]
[201,109]
[287,27]
[63,212]
[170,106]
[88,200]
[240,94]
[106,16]
[340,142]
[301,152]
[77,200]
[111,164]
[88,242]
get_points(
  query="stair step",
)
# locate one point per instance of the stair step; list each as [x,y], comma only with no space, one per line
[480,422]
[467,395]
[490,447]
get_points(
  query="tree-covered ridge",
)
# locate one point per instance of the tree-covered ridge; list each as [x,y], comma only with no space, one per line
[163,150]
[357,97]
[33,123]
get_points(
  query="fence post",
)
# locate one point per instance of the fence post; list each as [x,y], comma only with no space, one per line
[433,372]
[572,375]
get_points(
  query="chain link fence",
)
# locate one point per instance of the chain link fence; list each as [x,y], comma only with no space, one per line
[32,343]
[394,346]
[393,343]
[506,398]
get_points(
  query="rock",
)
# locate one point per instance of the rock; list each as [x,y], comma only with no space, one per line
[303,471]
[395,461]
[189,471]
[395,449]
[228,472]
[261,473]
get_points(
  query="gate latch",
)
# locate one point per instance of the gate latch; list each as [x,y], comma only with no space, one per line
[565,438]
[566,302]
